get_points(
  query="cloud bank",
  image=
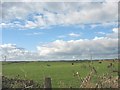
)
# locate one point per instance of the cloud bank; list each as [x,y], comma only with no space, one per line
[29,15]
[13,52]
[99,47]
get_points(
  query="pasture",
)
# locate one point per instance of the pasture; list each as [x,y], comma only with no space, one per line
[63,74]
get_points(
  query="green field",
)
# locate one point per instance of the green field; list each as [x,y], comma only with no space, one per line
[62,73]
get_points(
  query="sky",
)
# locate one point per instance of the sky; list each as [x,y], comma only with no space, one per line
[59,30]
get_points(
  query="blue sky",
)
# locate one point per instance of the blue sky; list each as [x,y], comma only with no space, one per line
[50,30]
[30,38]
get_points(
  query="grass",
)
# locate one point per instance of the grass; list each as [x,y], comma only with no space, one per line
[62,73]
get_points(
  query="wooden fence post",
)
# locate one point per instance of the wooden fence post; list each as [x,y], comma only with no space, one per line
[47,84]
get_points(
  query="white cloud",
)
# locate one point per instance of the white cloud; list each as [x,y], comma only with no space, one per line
[64,13]
[35,33]
[115,30]
[80,48]
[13,52]
[101,33]
[100,47]
[74,35]
[62,36]
[30,24]
[114,34]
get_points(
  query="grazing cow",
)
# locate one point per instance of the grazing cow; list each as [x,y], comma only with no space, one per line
[48,65]
[72,63]
[100,62]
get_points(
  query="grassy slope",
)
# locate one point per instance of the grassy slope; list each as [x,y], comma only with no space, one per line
[60,72]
